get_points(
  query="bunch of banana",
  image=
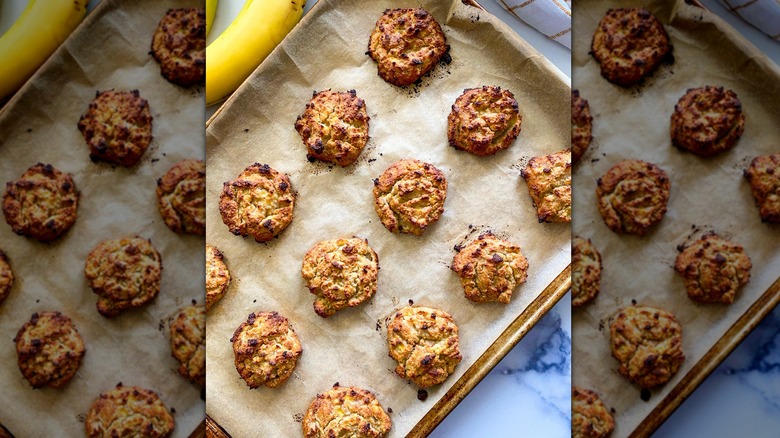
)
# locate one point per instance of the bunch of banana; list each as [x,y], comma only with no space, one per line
[257,30]
[41,28]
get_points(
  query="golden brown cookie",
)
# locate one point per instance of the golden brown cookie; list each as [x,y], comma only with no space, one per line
[490,269]
[424,342]
[648,344]
[406,44]
[409,196]
[124,273]
[707,121]
[345,412]
[266,349]
[713,269]
[549,185]
[117,127]
[259,203]
[334,127]
[42,204]
[589,417]
[179,45]
[629,44]
[581,126]
[217,276]
[341,273]
[49,349]
[585,271]
[188,342]
[6,277]
[632,196]
[484,120]
[128,411]
[181,197]
[763,175]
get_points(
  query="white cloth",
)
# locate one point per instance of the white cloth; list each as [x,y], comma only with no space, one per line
[550,17]
[762,14]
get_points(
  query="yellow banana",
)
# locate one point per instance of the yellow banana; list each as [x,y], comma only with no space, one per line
[35,35]
[211,11]
[259,27]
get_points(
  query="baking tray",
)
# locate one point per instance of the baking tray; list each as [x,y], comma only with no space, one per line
[234,307]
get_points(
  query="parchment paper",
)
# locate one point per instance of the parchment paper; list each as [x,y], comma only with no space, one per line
[109,51]
[706,194]
[327,50]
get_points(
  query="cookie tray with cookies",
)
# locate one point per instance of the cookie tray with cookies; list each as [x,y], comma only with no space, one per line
[708,193]
[349,346]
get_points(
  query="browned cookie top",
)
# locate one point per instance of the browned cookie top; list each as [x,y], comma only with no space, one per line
[490,269]
[217,276]
[128,411]
[345,412]
[707,120]
[179,45]
[549,185]
[581,126]
[589,417]
[188,342]
[713,269]
[585,271]
[763,174]
[266,349]
[181,197]
[6,277]
[49,349]
[484,120]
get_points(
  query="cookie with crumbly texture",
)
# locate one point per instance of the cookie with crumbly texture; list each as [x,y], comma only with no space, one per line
[42,204]
[334,127]
[409,196]
[179,45]
[6,277]
[707,121]
[484,120]
[647,342]
[713,269]
[188,342]
[217,276]
[345,411]
[585,272]
[406,44]
[259,203]
[589,417]
[632,196]
[117,127]
[549,185]
[424,342]
[490,269]
[629,44]
[763,175]
[124,273]
[127,411]
[181,197]
[266,349]
[49,349]
[342,273]
[581,126]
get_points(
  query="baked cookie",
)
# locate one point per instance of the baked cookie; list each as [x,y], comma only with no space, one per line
[217,276]
[409,196]
[589,417]
[42,204]
[549,185]
[49,349]
[585,272]
[424,342]
[181,197]
[179,45]
[341,273]
[117,127]
[713,269]
[266,349]
[629,44]
[763,175]
[345,412]
[334,127]
[259,203]
[707,121]
[490,269]
[188,342]
[406,44]
[124,273]
[581,126]
[648,344]
[484,120]
[6,277]
[632,196]
[128,411]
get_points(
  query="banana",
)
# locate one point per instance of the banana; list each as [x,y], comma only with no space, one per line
[211,11]
[259,27]
[36,34]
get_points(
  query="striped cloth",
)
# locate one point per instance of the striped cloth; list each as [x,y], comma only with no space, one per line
[550,17]
[762,14]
